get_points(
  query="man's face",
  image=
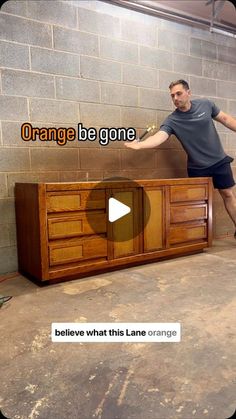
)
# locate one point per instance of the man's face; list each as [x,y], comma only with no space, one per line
[180,96]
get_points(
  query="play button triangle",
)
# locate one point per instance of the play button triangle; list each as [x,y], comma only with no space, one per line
[116,209]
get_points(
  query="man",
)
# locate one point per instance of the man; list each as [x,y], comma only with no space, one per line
[192,124]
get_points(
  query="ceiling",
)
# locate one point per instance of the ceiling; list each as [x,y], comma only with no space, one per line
[199,8]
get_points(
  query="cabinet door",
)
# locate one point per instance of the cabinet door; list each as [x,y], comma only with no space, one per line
[153,219]
[124,233]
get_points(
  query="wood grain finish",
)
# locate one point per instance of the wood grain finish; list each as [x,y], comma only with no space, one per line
[186,233]
[183,213]
[74,250]
[79,200]
[153,222]
[77,225]
[188,193]
[56,239]
[125,230]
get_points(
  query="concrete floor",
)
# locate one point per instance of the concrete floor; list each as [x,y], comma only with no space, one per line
[191,379]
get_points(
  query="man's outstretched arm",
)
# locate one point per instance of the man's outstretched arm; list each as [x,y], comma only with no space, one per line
[227,120]
[151,142]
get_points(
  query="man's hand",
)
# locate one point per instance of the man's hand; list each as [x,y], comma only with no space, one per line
[151,142]
[135,144]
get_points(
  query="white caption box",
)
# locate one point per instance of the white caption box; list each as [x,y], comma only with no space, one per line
[116,332]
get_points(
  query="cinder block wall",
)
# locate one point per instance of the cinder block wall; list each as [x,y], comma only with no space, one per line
[65,62]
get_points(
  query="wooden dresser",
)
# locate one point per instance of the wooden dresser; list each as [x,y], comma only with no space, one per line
[63,230]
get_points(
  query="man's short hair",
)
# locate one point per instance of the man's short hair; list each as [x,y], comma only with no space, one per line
[183,82]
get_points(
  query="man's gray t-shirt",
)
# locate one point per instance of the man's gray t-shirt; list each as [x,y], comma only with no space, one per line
[197,133]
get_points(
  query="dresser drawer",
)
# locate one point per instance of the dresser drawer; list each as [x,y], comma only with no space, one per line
[72,250]
[76,200]
[187,233]
[188,193]
[76,225]
[182,213]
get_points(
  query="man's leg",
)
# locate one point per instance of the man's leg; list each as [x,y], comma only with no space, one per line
[229,198]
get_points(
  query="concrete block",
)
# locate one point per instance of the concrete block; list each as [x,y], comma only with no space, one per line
[4,236]
[75,41]
[137,118]
[102,159]
[55,62]
[34,176]
[92,115]
[155,99]
[189,65]
[232,72]
[14,159]
[78,90]
[227,54]
[166,77]
[226,89]
[60,13]
[145,34]
[95,68]
[12,234]
[160,117]
[46,110]
[173,41]
[168,25]
[8,235]
[224,39]
[155,58]
[116,11]
[221,128]
[132,173]
[224,141]
[118,50]
[54,159]
[116,94]
[140,76]
[221,103]
[80,175]
[171,144]
[14,28]
[143,159]
[7,210]
[196,47]
[231,143]
[14,55]
[15,7]
[232,107]
[27,84]
[202,86]
[215,70]
[3,185]
[171,172]
[11,133]
[8,259]
[177,159]
[203,49]
[203,34]
[102,24]
[13,108]
[113,10]
[209,50]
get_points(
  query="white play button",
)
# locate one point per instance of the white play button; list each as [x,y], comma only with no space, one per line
[116,210]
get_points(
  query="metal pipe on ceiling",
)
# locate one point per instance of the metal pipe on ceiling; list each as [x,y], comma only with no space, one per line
[148,8]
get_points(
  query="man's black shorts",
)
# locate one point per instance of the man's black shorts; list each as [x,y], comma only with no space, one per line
[220,172]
